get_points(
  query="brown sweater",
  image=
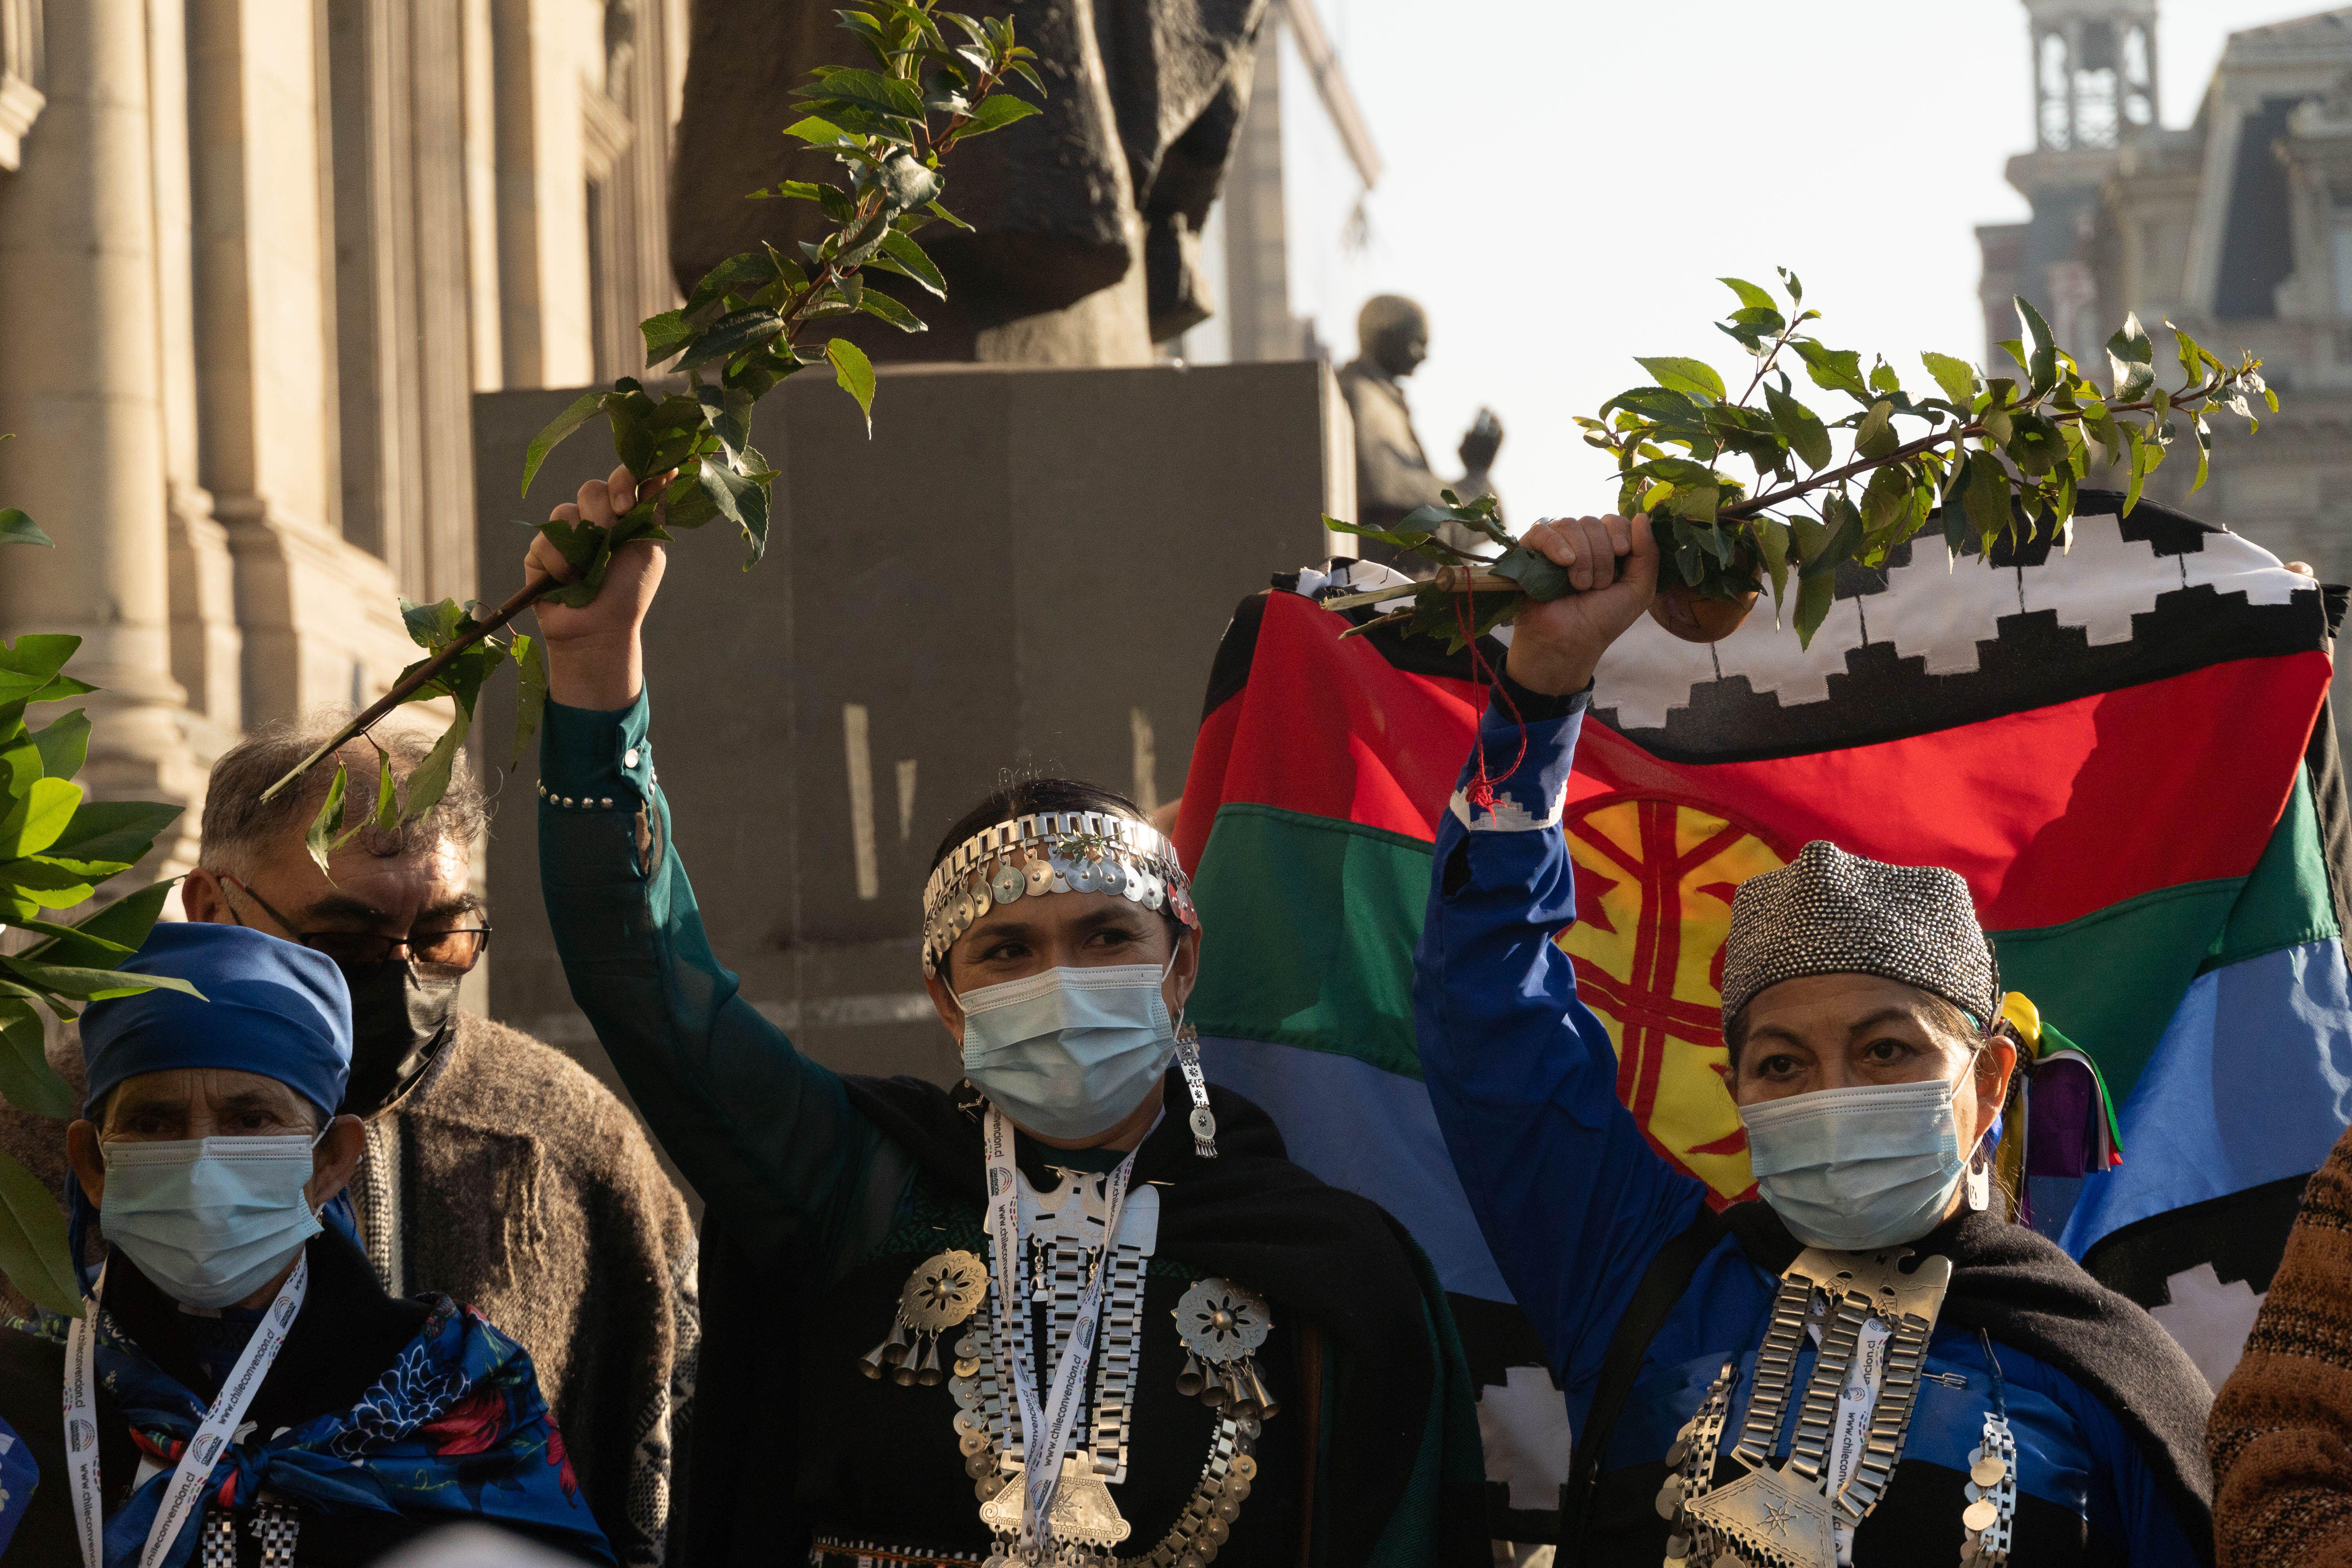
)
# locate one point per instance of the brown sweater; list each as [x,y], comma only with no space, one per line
[2281,1433]
[512,1180]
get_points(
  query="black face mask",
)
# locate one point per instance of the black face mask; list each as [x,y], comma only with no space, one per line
[403,1020]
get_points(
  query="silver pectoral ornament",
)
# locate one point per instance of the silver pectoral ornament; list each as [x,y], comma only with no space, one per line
[1223,1326]
[942,1292]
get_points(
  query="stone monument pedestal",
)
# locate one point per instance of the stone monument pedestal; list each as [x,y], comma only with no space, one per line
[1024,568]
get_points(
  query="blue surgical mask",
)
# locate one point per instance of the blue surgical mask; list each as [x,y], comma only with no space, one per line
[209,1220]
[1071,1052]
[1853,1169]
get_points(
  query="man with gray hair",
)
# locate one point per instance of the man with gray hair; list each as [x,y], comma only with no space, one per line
[496,1170]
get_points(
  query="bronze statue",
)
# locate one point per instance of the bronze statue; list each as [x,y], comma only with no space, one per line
[1392,472]
[1086,218]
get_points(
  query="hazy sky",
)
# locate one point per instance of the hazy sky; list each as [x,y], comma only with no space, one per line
[1565,181]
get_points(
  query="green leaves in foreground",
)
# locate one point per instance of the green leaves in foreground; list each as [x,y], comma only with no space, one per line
[57,850]
[473,655]
[938,77]
[1744,496]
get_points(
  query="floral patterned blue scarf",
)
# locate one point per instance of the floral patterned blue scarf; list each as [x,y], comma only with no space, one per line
[456,1426]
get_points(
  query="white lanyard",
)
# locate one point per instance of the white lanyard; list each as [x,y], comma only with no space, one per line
[1044,1436]
[194,1473]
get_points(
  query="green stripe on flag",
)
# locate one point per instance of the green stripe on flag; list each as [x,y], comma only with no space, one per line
[2286,902]
[2113,978]
[1307,929]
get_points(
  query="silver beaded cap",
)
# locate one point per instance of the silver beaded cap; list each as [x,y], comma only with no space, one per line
[1060,852]
[1829,913]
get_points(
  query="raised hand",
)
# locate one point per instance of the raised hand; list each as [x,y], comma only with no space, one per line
[1614,566]
[595,658]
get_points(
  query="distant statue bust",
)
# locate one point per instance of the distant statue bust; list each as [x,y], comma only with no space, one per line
[1392,472]
[1086,218]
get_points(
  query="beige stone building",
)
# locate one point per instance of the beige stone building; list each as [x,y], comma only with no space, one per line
[255,258]
[2239,227]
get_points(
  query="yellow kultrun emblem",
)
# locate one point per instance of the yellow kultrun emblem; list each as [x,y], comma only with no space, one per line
[1654,883]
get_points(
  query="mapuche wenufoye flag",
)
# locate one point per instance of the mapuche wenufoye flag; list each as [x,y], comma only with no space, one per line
[2123,744]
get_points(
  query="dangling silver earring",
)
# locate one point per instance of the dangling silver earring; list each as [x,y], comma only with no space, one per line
[1204,1121]
[1980,1182]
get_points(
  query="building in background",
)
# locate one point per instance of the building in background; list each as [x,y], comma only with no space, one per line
[2239,227]
[255,258]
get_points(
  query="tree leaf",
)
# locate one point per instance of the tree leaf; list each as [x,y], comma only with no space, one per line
[39,819]
[1989,494]
[1750,296]
[15,528]
[996,111]
[1773,545]
[63,744]
[874,303]
[531,692]
[33,1249]
[1840,537]
[120,927]
[93,984]
[728,414]
[914,261]
[1695,379]
[327,827]
[429,781]
[2042,358]
[1802,428]
[1834,370]
[582,409]
[1874,437]
[867,89]
[27,1081]
[1956,377]
[855,373]
[2131,355]
[666,334]
[1814,597]
[907,183]
[114,829]
[733,334]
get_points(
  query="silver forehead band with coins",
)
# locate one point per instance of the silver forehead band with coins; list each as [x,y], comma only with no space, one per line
[1051,852]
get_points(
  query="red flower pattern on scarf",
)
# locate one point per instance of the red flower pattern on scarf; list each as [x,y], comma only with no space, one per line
[560,1458]
[471,1425]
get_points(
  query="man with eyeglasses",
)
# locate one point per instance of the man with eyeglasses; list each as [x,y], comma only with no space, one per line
[496,1169]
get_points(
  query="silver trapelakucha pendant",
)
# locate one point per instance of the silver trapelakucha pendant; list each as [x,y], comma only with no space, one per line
[1082,1514]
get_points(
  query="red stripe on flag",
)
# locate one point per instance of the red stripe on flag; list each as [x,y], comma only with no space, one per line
[2050,813]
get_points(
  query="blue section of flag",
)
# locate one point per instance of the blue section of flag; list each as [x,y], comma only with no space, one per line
[1374,1133]
[20,1474]
[2251,1083]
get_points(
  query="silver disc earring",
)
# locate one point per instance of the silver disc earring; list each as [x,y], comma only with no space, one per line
[1204,1121]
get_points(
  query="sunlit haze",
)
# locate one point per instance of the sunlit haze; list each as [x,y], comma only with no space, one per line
[1565,181]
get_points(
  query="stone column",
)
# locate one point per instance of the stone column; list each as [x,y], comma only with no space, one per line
[320,618]
[83,395]
[207,650]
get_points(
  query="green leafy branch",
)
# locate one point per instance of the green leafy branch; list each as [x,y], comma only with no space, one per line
[56,849]
[938,79]
[1998,456]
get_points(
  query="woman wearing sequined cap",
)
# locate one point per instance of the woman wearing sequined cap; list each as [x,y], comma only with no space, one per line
[1870,1366]
[908,1291]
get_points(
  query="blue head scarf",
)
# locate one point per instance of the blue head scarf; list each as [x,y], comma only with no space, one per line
[268,1006]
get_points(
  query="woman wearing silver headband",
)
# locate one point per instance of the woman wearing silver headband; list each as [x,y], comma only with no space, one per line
[910,1292]
[1869,1367]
